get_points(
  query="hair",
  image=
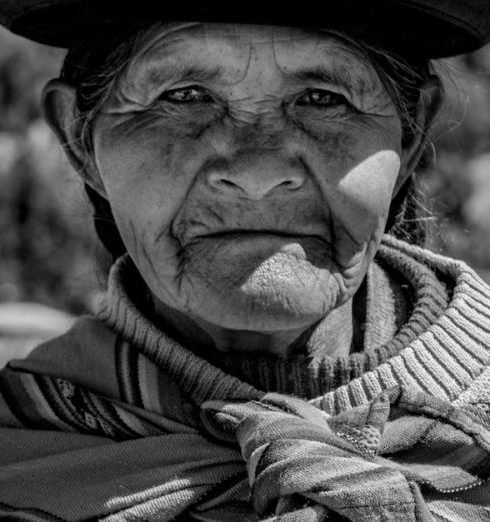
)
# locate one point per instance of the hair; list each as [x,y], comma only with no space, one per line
[93,67]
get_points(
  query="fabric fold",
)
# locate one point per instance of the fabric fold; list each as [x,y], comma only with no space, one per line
[117,421]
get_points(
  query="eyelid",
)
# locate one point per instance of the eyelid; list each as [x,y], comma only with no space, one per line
[326,91]
[174,89]
[343,90]
[335,88]
[348,100]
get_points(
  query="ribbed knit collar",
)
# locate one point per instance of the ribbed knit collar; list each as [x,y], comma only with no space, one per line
[414,354]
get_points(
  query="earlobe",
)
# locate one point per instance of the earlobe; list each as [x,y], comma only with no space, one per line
[431,98]
[60,111]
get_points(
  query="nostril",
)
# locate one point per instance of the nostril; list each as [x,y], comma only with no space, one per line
[228,183]
[222,183]
[255,179]
[218,180]
[291,184]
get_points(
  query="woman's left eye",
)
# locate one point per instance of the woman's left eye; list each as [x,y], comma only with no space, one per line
[193,94]
[322,98]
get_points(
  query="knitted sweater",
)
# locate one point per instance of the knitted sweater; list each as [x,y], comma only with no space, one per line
[115,420]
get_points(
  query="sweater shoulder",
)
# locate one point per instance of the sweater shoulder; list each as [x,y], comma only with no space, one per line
[455,273]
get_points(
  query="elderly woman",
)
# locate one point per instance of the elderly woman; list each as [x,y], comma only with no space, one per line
[266,348]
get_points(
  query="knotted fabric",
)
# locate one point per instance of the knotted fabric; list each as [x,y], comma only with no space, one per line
[309,466]
[402,456]
[116,421]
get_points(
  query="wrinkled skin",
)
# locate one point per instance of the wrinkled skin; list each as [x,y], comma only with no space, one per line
[250,171]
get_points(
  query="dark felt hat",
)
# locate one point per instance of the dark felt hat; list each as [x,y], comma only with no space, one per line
[429,28]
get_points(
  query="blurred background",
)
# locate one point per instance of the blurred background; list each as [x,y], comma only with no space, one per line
[48,252]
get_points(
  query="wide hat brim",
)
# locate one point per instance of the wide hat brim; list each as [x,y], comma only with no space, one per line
[429,28]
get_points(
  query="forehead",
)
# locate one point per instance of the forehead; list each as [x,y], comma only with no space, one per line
[228,48]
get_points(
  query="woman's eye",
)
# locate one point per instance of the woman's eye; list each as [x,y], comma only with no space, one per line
[322,98]
[187,95]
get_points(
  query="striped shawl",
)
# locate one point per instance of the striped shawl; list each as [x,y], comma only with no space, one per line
[116,421]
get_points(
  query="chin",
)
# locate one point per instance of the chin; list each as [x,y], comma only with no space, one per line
[266,304]
[262,285]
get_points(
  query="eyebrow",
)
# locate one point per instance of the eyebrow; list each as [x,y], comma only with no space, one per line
[159,74]
[334,75]
[200,73]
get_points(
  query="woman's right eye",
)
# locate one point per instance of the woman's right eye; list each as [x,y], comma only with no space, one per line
[192,94]
[323,99]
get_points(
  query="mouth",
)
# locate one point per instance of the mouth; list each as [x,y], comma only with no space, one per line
[250,234]
[300,246]
[257,246]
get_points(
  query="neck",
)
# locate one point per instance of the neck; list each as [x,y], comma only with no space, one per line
[332,336]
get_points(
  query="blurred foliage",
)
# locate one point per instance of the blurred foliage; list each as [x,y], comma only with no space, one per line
[48,250]
[457,186]
[47,247]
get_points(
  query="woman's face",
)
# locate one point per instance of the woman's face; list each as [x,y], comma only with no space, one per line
[250,171]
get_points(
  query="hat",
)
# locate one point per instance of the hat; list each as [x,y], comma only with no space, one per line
[429,28]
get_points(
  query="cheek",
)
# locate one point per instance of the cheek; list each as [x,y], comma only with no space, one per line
[366,190]
[361,206]
[146,174]
[357,170]
[360,168]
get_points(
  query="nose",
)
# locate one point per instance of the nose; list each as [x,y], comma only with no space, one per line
[256,175]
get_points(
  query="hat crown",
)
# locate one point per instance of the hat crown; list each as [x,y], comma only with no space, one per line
[433,28]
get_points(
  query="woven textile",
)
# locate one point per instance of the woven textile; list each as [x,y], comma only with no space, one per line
[116,421]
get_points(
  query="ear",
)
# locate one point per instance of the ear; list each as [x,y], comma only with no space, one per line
[429,104]
[60,110]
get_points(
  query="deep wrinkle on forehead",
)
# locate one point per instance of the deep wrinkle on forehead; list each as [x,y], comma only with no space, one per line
[223,55]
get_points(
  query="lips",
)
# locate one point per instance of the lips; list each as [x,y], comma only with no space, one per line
[230,234]
[263,235]
[189,232]
[252,247]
